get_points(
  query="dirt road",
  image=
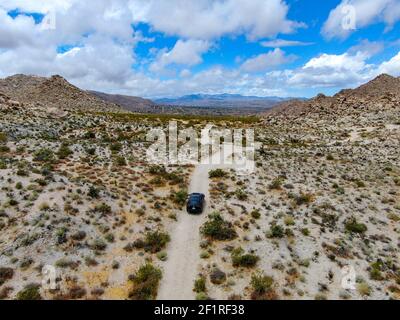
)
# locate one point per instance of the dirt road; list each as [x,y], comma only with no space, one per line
[181,268]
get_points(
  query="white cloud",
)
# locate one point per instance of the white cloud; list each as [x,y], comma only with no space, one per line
[266,61]
[15,32]
[186,53]
[366,12]
[332,71]
[391,67]
[280,43]
[210,19]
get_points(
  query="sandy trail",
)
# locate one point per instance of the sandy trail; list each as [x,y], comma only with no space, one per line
[181,268]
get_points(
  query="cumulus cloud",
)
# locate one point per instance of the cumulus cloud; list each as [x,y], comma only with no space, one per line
[100,47]
[188,53]
[364,13]
[391,67]
[266,61]
[210,19]
[329,70]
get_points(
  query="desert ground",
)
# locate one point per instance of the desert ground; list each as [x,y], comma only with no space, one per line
[77,194]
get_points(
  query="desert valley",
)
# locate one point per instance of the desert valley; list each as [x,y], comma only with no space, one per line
[77,194]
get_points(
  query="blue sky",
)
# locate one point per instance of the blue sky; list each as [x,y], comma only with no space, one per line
[154,49]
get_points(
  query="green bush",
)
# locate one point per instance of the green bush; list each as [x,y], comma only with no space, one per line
[43,155]
[276,231]
[276,184]
[200,285]
[218,173]
[261,283]
[93,192]
[30,292]
[255,214]
[5,274]
[217,228]
[155,241]
[116,147]
[145,283]
[239,259]
[120,161]
[103,208]
[304,198]
[64,151]
[4,148]
[353,226]
[375,271]
[3,137]
[179,197]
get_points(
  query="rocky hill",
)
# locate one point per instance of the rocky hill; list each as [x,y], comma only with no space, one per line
[130,103]
[379,94]
[53,92]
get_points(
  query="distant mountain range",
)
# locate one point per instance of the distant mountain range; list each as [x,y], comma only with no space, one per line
[223,100]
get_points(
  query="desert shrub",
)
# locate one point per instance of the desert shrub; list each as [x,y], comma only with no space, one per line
[4,148]
[162,256]
[120,161]
[262,286]
[276,184]
[276,231]
[89,135]
[116,147]
[375,271]
[255,214]
[289,221]
[145,283]
[179,197]
[43,155]
[93,192]
[76,292]
[241,195]
[217,173]
[64,151]
[3,137]
[66,263]
[30,292]
[305,231]
[239,259]
[217,228]
[103,208]
[79,235]
[364,289]
[5,275]
[98,244]
[304,198]
[155,241]
[202,296]
[157,170]
[3,164]
[61,235]
[330,157]
[200,285]
[353,226]
[91,151]
[174,178]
